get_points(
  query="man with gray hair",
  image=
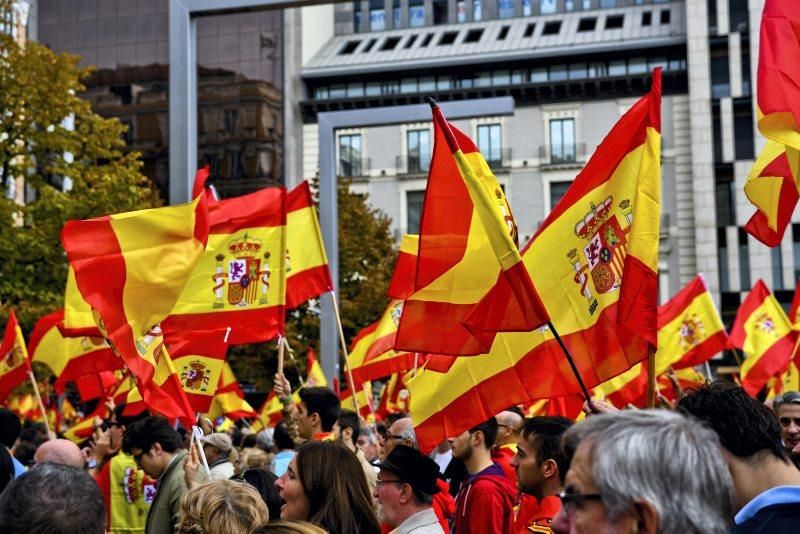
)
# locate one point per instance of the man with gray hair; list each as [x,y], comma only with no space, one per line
[651,471]
[787,409]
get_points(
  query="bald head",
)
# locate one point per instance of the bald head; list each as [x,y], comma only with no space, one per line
[59,451]
[508,425]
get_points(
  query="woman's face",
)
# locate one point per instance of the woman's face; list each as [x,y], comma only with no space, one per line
[297,505]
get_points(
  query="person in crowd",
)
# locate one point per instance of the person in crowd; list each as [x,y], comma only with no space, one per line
[53,499]
[325,485]
[10,427]
[485,502]
[442,455]
[284,446]
[220,455]
[367,442]
[505,446]
[264,483]
[265,440]
[540,465]
[316,414]
[406,485]
[251,458]
[222,507]
[6,468]
[156,448]
[767,484]
[60,451]
[787,409]
[648,471]
[346,430]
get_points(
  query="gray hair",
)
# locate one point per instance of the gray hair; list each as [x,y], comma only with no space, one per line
[265,439]
[672,461]
[367,433]
[790,397]
[409,434]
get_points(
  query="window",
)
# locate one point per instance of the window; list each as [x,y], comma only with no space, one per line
[577,71]
[617,68]
[416,14]
[587,24]
[505,9]
[373,88]
[356,16]
[637,65]
[562,140]
[539,75]
[722,260]
[529,30]
[716,128]
[461,11]
[419,150]
[369,46]
[477,13]
[552,27]
[647,18]
[614,21]
[547,7]
[414,200]
[737,13]
[377,15]
[558,73]
[608,3]
[473,36]
[557,192]
[490,143]
[745,53]
[777,268]
[743,128]
[440,11]
[448,38]
[231,118]
[390,43]
[744,261]
[350,155]
[527,8]
[349,47]
[427,84]
[720,75]
[396,14]
[426,40]
[502,34]
[355,90]
[665,18]
[410,42]
[725,196]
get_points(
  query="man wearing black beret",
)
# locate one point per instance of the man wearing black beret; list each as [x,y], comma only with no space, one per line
[405,487]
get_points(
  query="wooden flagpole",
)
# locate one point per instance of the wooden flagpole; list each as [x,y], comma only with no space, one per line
[651,378]
[291,356]
[39,400]
[344,349]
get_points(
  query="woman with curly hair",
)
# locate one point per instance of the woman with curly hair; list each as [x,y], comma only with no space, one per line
[222,507]
[325,485]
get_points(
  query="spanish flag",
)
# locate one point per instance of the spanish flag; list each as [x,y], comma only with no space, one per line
[78,320]
[363,401]
[199,361]
[229,398]
[200,186]
[97,385]
[763,332]
[83,429]
[270,413]
[131,269]
[14,364]
[593,262]
[307,271]
[771,188]
[70,358]
[470,281]
[394,397]
[240,280]
[314,374]
[690,330]
[371,353]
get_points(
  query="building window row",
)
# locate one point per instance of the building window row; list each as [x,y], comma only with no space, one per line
[498,78]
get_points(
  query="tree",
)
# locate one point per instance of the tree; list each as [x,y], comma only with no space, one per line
[73,166]
[366,263]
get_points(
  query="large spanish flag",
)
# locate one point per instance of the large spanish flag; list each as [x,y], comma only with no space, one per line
[371,353]
[690,330]
[307,271]
[78,320]
[593,263]
[199,361]
[14,363]
[470,281]
[240,280]
[131,269]
[763,332]
[70,358]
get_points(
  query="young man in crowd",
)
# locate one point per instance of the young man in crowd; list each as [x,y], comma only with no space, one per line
[314,418]
[540,465]
[346,430]
[485,502]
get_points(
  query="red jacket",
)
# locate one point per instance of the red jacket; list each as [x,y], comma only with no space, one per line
[502,455]
[485,503]
[536,517]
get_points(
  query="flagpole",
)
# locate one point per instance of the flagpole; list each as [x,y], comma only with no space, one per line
[280,354]
[291,356]
[416,357]
[737,357]
[572,365]
[651,378]
[344,349]
[39,400]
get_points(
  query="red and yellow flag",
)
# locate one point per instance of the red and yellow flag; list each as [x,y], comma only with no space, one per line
[690,330]
[363,400]
[14,363]
[70,358]
[78,319]
[240,280]
[307,271]
[131,268]
[270,414]
[314,373]
[83,429]
[470,281]
[200,187]
[229,398]
[199,360]
[394,397]
[593,262]
[771,188]
[763,332]
[96,385]
[371,353]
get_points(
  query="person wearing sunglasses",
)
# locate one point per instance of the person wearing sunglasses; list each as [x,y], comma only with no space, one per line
[644,471]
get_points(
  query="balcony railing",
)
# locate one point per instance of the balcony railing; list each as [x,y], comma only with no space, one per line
[413,165]
[354,168]
[563,154]
[498,159]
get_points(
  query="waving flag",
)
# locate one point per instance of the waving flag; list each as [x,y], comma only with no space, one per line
[14,364]
[307,271]
[229,398]
[314,373]
[394,397]
[593,263]
[240,280]
[131,269]
[199,361]
[78,320]
[363,401]
[70,358]
[771,188]
[763,332]
[200,187]
[470,282]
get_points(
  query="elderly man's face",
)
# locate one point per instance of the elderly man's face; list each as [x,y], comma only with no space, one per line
[789,418]
[369,449]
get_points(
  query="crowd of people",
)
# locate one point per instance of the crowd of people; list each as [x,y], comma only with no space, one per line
[720,461]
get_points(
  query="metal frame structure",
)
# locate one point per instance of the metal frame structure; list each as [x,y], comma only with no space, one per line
[183,132]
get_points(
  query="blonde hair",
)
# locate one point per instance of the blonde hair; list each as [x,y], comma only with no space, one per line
[222,507]
[254,459]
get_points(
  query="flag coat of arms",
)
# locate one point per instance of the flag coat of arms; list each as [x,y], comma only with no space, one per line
[607,318]
[199,361]
[14,363]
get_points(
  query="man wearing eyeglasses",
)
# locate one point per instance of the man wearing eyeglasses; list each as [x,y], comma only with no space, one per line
[505,446]
[405,488]
[647,471]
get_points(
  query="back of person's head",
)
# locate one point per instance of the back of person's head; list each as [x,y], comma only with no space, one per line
[264,483]
[222,507]
[144,433]
[53,499]
[489,430]
[60,451]
[283,440]
[283,526]
[323,402]
[544,433]
[10,427]
[336,487]
[745,426]
[662,457]
[349,419]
